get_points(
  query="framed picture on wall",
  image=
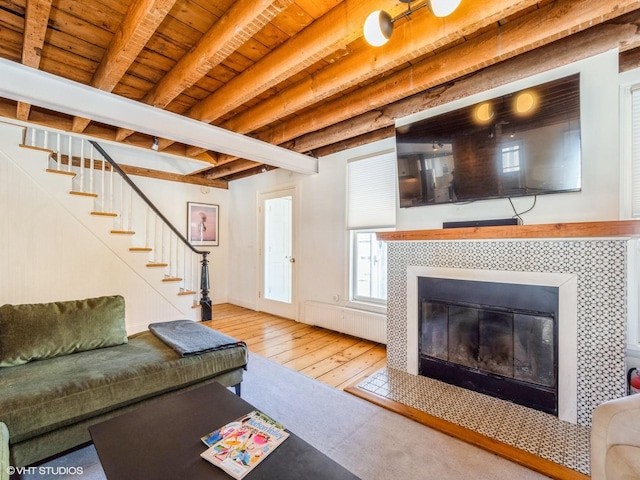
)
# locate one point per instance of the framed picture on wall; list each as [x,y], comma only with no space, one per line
[203,224]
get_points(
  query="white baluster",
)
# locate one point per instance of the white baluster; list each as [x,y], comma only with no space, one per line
[146,227]
[70,157]
[33,137]
[91,168]
[171,264]
[81,165]
[122,219]
[102,181]
[156,243]
[111,193]
[185,267]
[46,139]
[162,243]
[58,153]
[130,209]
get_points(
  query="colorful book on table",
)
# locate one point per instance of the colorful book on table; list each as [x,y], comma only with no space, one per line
[239,446]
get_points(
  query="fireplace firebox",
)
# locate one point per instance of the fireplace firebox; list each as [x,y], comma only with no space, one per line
[498,339]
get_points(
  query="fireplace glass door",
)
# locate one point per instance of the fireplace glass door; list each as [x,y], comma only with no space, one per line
[487,348]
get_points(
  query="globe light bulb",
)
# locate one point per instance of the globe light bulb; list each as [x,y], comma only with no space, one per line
[443,8]
[378,28]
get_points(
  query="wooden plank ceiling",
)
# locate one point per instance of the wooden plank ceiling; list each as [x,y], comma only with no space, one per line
[294,73]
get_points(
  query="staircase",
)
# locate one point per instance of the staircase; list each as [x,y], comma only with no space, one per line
[94,189]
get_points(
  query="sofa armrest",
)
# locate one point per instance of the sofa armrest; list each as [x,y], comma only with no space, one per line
[615,422]
[4,452]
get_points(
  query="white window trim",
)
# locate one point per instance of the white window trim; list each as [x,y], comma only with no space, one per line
[349,301]
[372,306]
[628,81]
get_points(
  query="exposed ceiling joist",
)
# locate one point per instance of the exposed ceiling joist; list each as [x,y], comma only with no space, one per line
[290,73]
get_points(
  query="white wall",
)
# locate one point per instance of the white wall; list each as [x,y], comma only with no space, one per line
[322,261]
[34,271]
[47,255]
[319,229]
[171,199]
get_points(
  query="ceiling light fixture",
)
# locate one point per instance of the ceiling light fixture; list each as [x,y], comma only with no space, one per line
[378,26]
[155,144]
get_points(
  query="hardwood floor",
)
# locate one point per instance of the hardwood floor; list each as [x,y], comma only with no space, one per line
[332,358]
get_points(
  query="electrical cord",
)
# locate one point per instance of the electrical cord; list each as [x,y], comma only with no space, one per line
[517,215]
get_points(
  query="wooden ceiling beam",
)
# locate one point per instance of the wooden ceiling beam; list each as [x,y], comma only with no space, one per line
[330,33]
[526,33]
[333,31]
[172,177]
[142,20]
[230,169]
[423,34]
[585,44]
[233,29]
[447,66]
[35,28]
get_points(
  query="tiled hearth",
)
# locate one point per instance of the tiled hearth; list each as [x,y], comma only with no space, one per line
[600,268]
[522,428]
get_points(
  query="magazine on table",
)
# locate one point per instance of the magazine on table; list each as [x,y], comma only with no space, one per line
[239,446]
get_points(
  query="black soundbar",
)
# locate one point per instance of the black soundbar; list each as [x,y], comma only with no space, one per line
[498,222]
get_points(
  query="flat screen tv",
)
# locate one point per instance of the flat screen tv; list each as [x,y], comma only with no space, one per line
[523,143]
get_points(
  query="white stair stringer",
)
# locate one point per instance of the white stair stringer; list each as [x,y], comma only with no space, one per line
[33,163]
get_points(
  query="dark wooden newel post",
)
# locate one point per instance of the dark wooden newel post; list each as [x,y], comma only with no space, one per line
[205,301]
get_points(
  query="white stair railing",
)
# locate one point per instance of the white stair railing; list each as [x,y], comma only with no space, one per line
[97,175]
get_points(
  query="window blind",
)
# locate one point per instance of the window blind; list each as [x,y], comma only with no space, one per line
[371,187]
[635,152]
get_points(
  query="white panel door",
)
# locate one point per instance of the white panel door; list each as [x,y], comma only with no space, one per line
[276,253]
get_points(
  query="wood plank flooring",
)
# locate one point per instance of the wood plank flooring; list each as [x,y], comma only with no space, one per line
[330,357]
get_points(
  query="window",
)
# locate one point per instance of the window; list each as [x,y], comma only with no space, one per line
[511,157]
[630,188]
[635,152]
[371,207]
[369,268]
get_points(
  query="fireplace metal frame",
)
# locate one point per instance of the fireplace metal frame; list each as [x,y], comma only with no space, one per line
[527,299]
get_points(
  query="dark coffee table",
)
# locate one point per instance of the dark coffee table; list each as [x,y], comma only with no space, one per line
[161,441]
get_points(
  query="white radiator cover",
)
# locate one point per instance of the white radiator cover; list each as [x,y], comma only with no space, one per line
[359,323]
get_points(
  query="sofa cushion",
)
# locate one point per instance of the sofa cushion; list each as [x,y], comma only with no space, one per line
[42,396]
[39,331]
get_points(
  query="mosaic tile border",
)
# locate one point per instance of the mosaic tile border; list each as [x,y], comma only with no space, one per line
[600,266]
[529,430]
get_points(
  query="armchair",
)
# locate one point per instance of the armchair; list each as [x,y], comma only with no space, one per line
[4,452]
[615,439]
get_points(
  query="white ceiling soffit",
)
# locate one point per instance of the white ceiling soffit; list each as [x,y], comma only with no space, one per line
[29,85]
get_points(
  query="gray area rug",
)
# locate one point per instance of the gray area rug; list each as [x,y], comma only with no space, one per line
[368,440]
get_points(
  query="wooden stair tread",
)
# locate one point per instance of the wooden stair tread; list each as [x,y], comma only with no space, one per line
[31,147]
[171,279]
[157,264]
[84,194]
[187,292]
[123,232]
[140,249]
[105,214]
[61,172]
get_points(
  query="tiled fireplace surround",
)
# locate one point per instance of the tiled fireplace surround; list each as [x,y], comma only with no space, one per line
[600,268]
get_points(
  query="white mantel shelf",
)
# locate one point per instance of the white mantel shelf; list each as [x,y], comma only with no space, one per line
[621,228]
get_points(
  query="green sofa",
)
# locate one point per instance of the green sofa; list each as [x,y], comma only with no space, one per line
[65,366]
